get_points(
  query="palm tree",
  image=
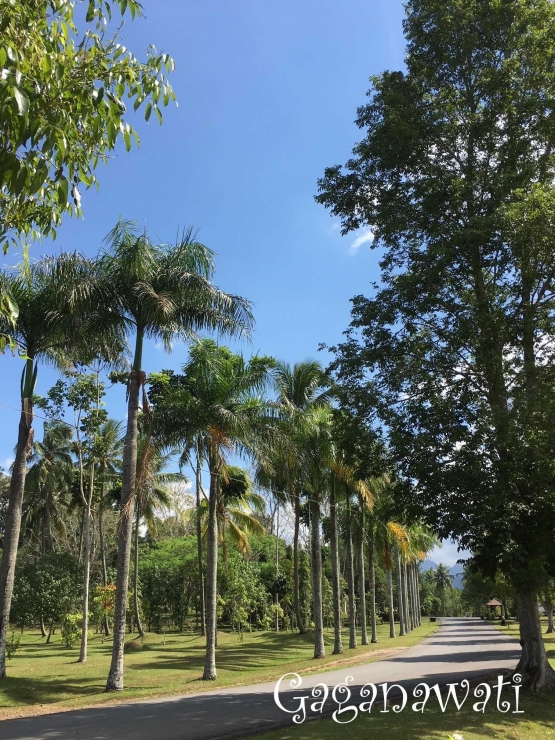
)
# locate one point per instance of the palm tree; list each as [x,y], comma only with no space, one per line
[152,492]
[300,388]
[160,292]
[237,508]
[109,450]
[218,401]
[442,581]
[49,328]
[48,481]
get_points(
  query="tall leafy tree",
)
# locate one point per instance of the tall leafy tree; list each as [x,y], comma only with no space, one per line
[62,111]
[454,177]
[443,581]
[49,328]
[162,292]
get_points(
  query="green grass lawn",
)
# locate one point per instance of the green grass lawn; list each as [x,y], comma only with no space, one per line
[538,720]
[45,678]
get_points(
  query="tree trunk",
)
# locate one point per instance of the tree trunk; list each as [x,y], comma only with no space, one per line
[548,606]
[351,580]
[277,567]
[125,534]
[212,577]
[50,631]
[316,557]
[335,582]
[362,588]
[389,581]
[403,621]
[138,623]
[533,665]
[296,589]
[409,596]
[417,587]
[105,623]
[199,547]
[87,569]
[12,524]
[372,578]
[42,628]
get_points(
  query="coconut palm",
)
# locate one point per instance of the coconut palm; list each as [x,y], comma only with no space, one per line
[49,328]
[442,581]
[161,292]
[300,388]
[152,492]
[217,401]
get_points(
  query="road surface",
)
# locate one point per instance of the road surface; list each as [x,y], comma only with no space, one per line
[461,648]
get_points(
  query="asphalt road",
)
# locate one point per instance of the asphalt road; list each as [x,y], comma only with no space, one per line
[461,648]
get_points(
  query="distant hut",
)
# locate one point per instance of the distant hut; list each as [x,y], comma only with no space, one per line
[493,605]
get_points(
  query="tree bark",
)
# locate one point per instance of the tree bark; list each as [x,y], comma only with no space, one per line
[411,597]
[533,665]
[199,546]
[372,578]
[105,623]
[350,579]
[212,576]
[138,623]
[389,581]
[403,621]
[296,589]
[316,556]
[335,582]
[362,587]
[12,525]
[87,569]
[125,534]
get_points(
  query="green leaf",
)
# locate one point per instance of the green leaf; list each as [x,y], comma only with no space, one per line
[97,96]
[46,64]
[3,56]
[90,11]
[63,189]
[148,111]
[22,101]
[159,114]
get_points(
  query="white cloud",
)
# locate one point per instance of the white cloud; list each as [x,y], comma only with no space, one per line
[365,237]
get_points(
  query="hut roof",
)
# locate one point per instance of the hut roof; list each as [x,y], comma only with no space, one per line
[494,602]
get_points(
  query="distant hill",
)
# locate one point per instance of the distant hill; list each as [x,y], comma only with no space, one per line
[454,570]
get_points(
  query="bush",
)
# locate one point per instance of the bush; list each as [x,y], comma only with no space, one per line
[71,629]
[13,645]
[132,646]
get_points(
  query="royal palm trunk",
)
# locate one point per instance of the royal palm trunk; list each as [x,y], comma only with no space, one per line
[125,533]
[372,579]
[335,582]
[403,622]
[199,549]
[351,581]
[362,591]
[12,525]
[87,569]
[296,588]
[211,577]
[316,558]
[391,607]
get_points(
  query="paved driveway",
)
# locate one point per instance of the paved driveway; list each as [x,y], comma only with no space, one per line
[461,648]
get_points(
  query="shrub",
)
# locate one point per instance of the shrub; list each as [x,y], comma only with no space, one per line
[71,629]
[13,645]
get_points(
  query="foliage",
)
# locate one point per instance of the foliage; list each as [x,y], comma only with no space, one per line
[71,629]
[13,645]
[65,77]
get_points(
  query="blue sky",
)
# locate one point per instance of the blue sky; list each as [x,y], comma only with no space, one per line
[267,96]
